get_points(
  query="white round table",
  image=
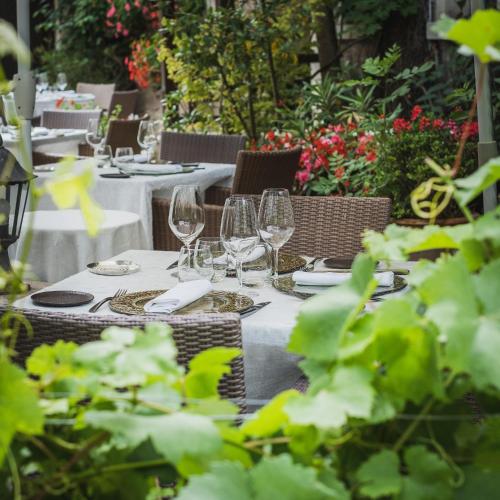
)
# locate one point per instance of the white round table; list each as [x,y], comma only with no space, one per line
[48,100]
[61,245]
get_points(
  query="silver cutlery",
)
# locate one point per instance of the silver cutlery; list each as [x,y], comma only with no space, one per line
[248,311]
[97,306]
[173,265]
[310,266]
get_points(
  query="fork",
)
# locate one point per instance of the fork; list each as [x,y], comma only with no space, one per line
[310,267]
[97,306]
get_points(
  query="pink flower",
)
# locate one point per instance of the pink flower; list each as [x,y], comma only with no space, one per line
[127,6]
[137,3]
[125,32]
[302,176]
[119,27]
[111,12]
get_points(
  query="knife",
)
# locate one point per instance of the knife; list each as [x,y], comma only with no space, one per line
[248,311]
[171,266]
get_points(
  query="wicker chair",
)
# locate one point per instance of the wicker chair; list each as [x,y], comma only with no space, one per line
[102,92]
[192,334]
[127,100]
[62,118]
[40,158]
[122,133]
[255,171]
[325,226]
[210,148]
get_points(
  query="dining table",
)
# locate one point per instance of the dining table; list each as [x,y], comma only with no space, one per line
[269,367]
[49,100]
[135,193]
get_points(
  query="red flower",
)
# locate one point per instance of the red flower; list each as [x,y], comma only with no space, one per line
[469,129]
[302,176]
[438,123]
[416,112]
[59,102]
[401,125]
[371,156]
[271,136]
[347,183]
[339,172]
[424,123]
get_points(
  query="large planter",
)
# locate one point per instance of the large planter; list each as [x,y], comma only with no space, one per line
[416,223]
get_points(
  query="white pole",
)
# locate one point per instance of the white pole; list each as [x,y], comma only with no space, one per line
[23,69]
[487,146]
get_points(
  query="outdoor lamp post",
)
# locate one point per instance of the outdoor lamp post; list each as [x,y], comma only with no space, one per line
[14,190]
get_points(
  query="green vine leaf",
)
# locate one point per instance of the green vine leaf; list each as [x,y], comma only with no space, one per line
[472,186]
[379,475]
[19,408]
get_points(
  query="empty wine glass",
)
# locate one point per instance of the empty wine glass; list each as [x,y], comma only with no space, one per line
[147,137]
[186,217]
[238,230]
[61,81]
[276,224]
[94,135]
[42,82]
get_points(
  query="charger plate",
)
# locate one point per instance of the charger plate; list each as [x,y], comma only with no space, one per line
[61,298]
[286,285]
[213,302]
[286,264]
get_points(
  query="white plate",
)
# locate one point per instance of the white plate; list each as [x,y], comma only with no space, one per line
[113,267]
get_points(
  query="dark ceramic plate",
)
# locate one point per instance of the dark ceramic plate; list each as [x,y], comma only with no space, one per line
[339,263]
[61,298]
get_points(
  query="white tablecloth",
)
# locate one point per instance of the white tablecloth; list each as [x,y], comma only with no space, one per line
[48,100]
[61,246]
[268,367]
[136,193]
[57,141]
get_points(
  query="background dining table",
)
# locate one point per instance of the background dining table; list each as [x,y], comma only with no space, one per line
[269,368]
[48,100]
[135,194]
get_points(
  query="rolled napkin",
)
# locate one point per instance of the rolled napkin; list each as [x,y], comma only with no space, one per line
[329,279]
[140,158]
[176,298]
[255,254]
[39,131]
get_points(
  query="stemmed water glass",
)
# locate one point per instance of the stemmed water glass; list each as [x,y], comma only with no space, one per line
[94,135]
[276,224]
[238,230]
[147,137]
[42,82]
[61,81]
[186,217]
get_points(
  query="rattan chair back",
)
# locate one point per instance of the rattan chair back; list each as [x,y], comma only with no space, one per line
[123,133]
[333,226]
[192,334]
[127,100]
[102,92]
[209,148]
[62,118]
[256,170]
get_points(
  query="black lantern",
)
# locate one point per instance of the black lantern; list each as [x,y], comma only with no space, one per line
[14,190]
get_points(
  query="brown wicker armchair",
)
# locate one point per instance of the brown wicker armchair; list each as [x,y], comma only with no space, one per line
[210,148]
[123,133]
[255,171]
[63,118]
[325,226]
[127,100]
[192,334]
[102,92]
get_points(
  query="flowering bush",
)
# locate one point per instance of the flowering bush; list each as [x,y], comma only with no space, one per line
[142,64]
[403,148]
[336,160]
[126,17]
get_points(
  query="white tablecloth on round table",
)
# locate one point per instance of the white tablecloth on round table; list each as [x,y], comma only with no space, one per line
[136,193]
[48,100]
[61,246]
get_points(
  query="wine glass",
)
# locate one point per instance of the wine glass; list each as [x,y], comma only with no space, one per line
[203,260]
[42,82]
[61,82]
[104,156]
[276,224]
[147,137]
[186,217]
[94,135]
[239,231]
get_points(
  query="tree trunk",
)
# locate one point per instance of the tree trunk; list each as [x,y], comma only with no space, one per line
[409,32]
[328,44]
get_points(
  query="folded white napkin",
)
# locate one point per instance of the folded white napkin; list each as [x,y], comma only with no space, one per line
[329,279]
[39,131]
[135,168]
[255,254]
[181,295]
[140,158]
